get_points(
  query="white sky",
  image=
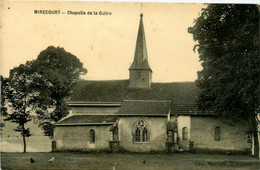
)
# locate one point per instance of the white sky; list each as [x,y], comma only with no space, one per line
[105,44]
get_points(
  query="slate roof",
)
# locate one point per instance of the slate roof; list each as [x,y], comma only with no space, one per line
[88,120]
[118,91]
[99,91]
[182,95]
[145,107]
[188,109]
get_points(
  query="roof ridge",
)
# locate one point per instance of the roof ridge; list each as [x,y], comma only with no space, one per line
[102,80]
[155,100]
[82,101]
[93,115]
[173,82]
[183,104]
[83,80]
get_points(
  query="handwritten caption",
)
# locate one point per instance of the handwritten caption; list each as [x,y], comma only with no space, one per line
[223,163]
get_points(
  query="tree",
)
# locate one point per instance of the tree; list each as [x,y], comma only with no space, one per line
[40,87]
[53,74]
[16,92]
[3,108]
[3,92]
[227,39]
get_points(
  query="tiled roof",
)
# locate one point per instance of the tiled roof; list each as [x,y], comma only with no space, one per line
[99,91]
[183,96]
[117,91]
[88,120]
[145,107]
[188,109]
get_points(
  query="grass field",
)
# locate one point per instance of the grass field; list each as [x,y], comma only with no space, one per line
[12,141]
[114,161]
[33,144]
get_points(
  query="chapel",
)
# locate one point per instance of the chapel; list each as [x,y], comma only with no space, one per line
[138,115]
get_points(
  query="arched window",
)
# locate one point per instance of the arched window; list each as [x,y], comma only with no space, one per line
[137,134]
[217,133]
[141,132]
[92,136]
[185,133]
[144,135]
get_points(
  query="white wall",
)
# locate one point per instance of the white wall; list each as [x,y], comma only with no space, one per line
[183,121]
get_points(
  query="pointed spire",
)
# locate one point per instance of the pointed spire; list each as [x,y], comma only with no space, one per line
[141,57]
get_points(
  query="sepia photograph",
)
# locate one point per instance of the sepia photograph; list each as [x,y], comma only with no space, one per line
[129,85]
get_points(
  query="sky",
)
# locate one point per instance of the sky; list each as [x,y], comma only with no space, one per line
[105,44]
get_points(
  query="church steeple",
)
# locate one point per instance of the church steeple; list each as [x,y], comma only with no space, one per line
[140,58]
[140,71]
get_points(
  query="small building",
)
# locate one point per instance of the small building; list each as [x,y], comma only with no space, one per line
[137,115]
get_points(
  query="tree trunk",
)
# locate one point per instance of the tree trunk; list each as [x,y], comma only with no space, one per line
[255,138]
[256,134]
[256,144]
[24,142]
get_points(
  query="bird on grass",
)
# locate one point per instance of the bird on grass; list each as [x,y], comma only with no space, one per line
[228,152]
[144,162]
[32,161]
[52,159]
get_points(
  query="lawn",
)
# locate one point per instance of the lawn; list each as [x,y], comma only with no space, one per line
[34,144]
[75,160]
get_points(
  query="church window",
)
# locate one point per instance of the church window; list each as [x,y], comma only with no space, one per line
[217,133]
[141,132]
[185,133]
[144,135]
[92,136]
[137,135]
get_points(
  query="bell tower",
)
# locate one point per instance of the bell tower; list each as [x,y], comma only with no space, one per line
[140,71]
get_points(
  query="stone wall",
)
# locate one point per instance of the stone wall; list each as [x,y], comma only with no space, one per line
[201,130]
[78,138]
[156,133]
[232,137]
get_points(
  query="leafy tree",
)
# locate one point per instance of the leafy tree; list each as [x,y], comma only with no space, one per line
[40,88]
[16,92]
[227,39]
[3,92]
[3,108]
[53,74]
